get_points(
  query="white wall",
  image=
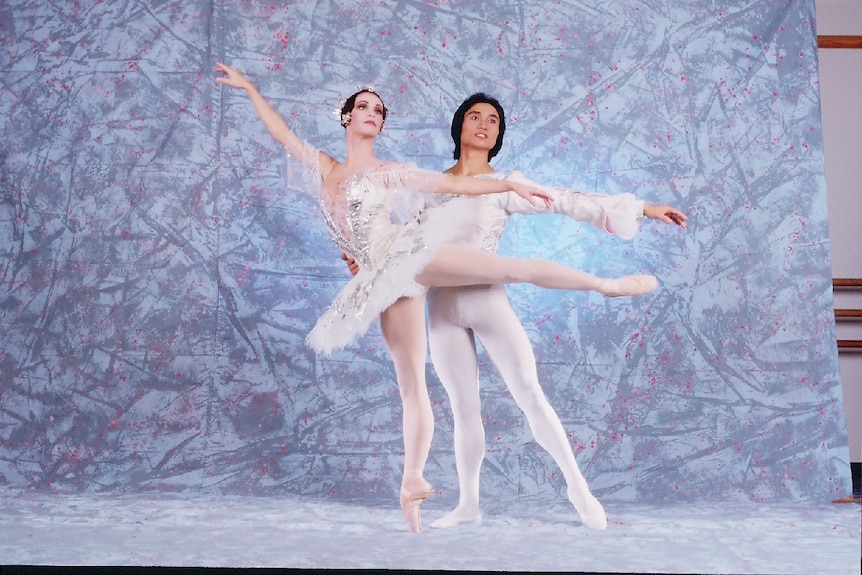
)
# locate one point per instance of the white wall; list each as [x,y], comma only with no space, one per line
[841,104]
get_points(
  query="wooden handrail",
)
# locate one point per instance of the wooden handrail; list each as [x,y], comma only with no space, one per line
[848,313]
[828,41]
[843,313]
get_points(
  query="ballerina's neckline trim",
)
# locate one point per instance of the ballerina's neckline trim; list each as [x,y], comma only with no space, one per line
[383,170]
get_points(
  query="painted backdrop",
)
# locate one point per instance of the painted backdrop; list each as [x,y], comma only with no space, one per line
[157,278]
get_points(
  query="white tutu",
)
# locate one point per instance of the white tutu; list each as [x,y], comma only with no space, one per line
[378,286]
[392,231]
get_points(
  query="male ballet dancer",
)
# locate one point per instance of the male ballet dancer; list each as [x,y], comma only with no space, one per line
[460,314]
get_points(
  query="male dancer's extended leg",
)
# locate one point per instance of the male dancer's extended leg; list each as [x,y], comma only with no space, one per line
[403,327]
[453,351]
[463,266]
[506,342]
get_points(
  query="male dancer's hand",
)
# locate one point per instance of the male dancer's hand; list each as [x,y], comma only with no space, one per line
[351,263]
[667,214]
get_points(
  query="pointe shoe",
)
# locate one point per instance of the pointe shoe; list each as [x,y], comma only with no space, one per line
[628,286]
[410,502]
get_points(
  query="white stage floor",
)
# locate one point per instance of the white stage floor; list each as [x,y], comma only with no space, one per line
[287,531]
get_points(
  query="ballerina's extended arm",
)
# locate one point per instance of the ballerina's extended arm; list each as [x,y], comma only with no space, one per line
[432,182]
[276,125]
[468,185]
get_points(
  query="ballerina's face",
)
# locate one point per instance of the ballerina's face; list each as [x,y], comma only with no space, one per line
[481,127]
[368,114]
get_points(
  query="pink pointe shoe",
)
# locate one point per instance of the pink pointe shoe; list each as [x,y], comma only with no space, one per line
[628,286]
[410,502]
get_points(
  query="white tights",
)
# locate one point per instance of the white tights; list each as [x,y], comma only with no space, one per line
[456,314]
[403,328]
[460,266]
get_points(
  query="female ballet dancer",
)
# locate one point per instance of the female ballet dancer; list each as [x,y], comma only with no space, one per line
[358,198]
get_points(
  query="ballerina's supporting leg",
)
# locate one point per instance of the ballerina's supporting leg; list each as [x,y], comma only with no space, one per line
[459,266]
[403,327]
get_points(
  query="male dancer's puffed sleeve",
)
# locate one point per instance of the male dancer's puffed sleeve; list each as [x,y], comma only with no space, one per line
[618,214]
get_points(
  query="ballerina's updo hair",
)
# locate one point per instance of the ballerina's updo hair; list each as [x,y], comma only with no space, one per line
[350,103]
[458,122]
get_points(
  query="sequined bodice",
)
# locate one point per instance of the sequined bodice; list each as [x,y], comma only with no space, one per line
[358,218]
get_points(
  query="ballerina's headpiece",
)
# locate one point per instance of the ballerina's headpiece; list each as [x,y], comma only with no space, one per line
[345,105]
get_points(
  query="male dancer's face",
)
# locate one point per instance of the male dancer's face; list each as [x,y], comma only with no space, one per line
[481,127]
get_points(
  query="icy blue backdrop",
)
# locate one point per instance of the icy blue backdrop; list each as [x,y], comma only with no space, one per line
[158,280]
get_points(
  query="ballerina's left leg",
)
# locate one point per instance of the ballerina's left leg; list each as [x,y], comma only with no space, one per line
[403,327]
[460,266]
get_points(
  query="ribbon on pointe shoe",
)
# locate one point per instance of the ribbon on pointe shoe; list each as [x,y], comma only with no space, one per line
[410,502]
